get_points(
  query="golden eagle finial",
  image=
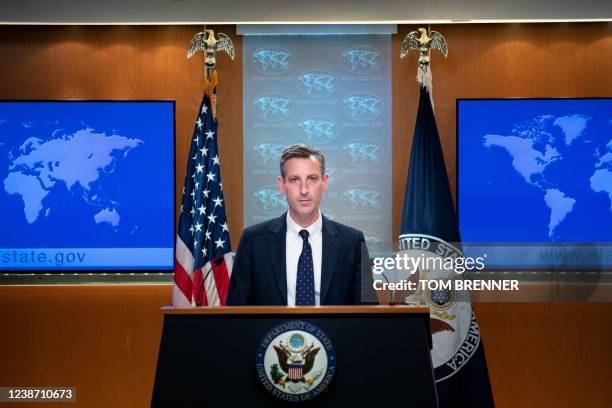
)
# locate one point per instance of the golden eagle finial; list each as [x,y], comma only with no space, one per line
[206,41]
[424,41]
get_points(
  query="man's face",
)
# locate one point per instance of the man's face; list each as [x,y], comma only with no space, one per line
[303,185]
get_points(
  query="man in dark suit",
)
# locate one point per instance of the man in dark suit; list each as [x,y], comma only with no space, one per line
[300,258]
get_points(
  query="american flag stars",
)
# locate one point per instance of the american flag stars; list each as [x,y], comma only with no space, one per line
[219,243]
[212,218]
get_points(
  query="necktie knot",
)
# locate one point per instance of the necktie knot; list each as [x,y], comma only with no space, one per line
[304,235]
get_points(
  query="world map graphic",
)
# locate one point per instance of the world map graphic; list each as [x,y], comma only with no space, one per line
[534,147]
[536,171]
[67,161]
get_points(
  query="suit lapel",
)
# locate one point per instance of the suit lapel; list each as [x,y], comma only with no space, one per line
[331,247]
[276,248]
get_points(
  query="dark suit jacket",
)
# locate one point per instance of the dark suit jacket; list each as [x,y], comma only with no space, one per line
[259,274]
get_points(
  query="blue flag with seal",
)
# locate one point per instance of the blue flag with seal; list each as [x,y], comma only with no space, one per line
[429,217]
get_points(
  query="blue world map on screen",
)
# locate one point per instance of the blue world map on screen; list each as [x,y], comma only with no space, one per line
[535,170]
[87,174]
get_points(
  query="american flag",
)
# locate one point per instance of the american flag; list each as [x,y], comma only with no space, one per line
[203,262]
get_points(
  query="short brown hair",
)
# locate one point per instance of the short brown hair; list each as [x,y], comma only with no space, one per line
[301,151]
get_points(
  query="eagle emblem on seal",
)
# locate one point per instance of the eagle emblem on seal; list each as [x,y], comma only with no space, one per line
[295,361]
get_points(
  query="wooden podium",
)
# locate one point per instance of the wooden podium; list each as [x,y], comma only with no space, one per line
[207,356]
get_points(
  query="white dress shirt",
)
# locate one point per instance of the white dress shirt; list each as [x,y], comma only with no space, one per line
[294,244]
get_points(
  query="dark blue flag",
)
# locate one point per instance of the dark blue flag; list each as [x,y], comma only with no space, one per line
[462,379]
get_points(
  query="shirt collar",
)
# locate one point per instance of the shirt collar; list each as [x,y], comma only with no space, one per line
[312,229]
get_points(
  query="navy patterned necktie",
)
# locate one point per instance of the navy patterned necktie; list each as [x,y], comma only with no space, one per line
[304,287]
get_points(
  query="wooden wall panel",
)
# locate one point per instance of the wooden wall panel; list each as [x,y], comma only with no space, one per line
[106,337]
[101,339]
[229,114]
[548,354]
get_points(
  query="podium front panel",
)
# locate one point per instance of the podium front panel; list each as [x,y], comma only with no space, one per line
[209,359]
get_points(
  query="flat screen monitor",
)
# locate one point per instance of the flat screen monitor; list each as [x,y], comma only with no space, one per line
[536,174]
[86,186]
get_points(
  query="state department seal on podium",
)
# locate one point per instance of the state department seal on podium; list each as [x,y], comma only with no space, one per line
[295,361]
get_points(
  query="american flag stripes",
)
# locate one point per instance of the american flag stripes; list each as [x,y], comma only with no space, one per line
[203,261]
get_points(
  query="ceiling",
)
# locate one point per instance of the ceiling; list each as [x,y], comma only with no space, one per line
[298,11]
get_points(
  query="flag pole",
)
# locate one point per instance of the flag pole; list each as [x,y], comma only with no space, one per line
[203,257]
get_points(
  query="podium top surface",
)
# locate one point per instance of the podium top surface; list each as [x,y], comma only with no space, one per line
[290,310]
